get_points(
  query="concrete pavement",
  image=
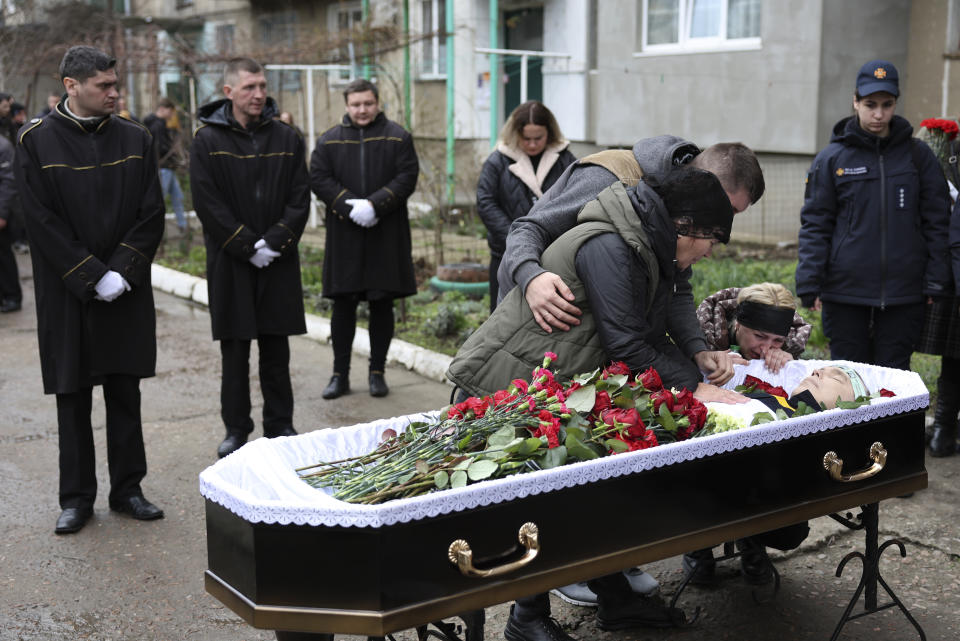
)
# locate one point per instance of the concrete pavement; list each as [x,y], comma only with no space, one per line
[121,579]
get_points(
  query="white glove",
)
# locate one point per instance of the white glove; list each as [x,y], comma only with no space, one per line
[111,286]
[362,212]
[264,255]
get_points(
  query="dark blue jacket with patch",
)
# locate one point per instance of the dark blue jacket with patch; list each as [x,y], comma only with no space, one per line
[875,217]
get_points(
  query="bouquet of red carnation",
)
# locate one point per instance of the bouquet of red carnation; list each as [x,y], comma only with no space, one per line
[531,425]
[937,133]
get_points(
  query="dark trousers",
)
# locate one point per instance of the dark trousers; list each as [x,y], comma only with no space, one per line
[126,458]
[9,274]
[343,327]
[885,337]
[274,384]
[494,283]
[610,588]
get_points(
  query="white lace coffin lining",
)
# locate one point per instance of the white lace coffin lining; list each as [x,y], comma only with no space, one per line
[258,482]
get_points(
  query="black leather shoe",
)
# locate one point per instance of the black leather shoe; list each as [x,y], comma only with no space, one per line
[754,562]
[638,611]
[233,442]
[284,431]
[539,628]
[9,305]
[337,387]
[378,385]
[72,519]
[944,441]
[700,567]
[137,507]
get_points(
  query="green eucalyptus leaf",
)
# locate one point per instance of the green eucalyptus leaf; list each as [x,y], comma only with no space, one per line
[463,463]
[530,445]
[406,477]
[502,437]
[553,457]
[583,379]
[582,399]
[481,469]
[458,479]
[576,449]
[616,445]
[513,446]
[624,401]
[617,381]
[441,479]
[781,415]
[760,418]
[666,419]
[576,432]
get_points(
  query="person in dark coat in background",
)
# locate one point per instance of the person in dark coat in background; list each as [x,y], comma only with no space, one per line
[169,157]
[91,198]
[530,156]
[364,170]
[7,128]
[251,194]
[11,295]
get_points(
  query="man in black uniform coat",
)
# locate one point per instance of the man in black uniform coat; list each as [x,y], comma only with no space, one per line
[91,200]
[364,170]
[251,194]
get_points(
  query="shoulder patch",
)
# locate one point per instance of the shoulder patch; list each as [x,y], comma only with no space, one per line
[36,122]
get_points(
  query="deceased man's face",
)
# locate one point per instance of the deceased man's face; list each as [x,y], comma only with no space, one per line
[827,384]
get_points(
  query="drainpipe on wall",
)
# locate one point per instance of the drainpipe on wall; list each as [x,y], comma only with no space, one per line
[450,97]
[407,116]
[364,15]
[494,73]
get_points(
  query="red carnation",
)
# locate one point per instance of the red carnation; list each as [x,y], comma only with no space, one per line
[503,397]
[948,127]
[885,393]
[520,384]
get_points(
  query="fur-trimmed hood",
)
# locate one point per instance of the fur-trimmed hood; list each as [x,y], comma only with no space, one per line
[522,167]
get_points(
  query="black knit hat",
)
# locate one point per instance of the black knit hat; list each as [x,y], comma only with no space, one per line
[696,202]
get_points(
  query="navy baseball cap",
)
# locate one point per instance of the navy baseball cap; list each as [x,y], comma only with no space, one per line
[878,75]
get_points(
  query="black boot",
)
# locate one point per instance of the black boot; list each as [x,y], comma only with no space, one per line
[944,441]
[538,627]
[337,387]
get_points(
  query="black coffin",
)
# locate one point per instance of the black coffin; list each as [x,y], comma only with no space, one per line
[376,580]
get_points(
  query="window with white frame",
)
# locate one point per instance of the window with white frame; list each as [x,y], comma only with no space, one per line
[433,21]
[342,20]
[668,26]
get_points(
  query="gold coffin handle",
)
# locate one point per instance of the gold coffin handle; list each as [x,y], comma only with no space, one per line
[461,555]
[834,465]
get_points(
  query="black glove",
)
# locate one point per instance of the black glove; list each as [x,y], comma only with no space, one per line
[808,300]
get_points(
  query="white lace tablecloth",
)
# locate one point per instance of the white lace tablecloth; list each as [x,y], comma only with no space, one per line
[259,484]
